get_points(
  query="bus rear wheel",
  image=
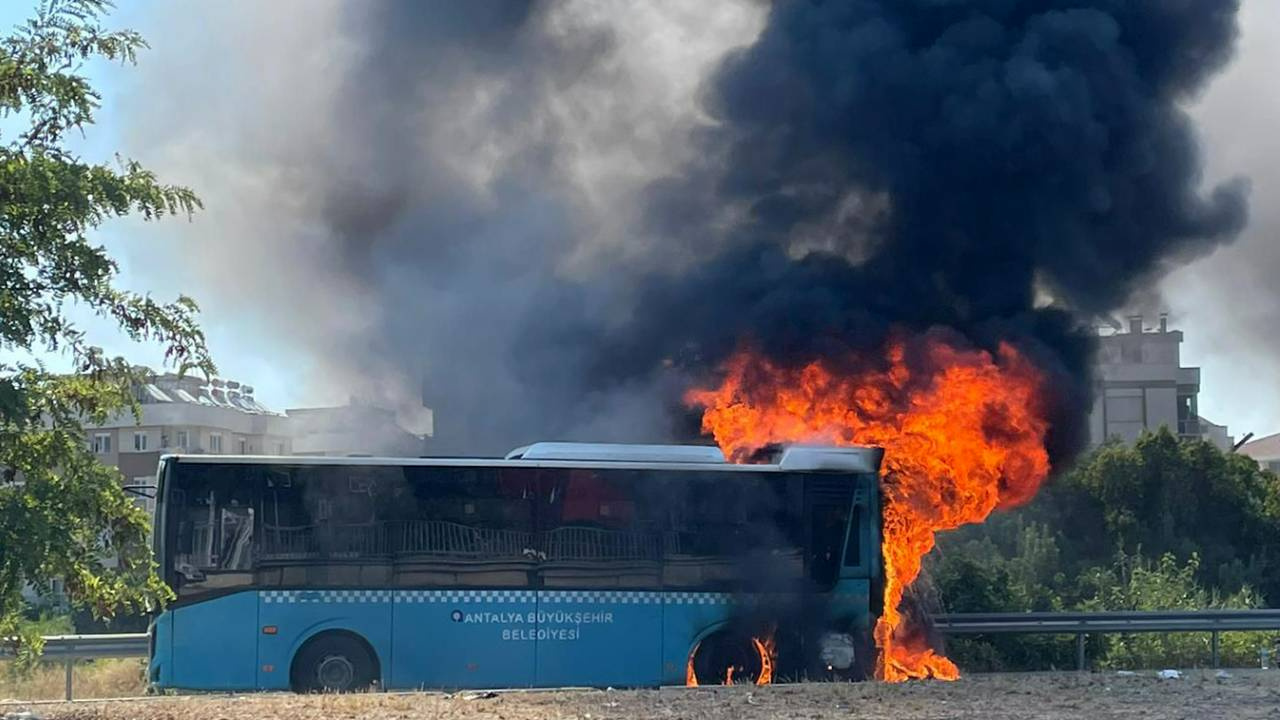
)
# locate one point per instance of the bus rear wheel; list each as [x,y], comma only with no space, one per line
[333,662]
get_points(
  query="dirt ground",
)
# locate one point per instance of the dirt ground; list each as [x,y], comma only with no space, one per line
[1198,696]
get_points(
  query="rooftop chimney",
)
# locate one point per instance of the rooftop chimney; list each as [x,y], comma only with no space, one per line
[1164,322]
[1135,324]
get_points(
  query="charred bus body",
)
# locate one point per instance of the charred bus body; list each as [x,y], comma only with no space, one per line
[561,564]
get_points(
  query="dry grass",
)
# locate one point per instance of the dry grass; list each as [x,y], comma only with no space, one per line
[1198,696]
[92,679]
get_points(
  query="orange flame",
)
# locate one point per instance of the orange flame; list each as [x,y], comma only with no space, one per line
[768,654]
[963,433]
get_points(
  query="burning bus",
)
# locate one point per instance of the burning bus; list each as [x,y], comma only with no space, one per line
[562,564]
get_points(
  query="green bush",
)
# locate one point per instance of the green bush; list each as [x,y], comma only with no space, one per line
[1163,524]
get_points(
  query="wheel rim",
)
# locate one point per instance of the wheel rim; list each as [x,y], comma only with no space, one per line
[335,673]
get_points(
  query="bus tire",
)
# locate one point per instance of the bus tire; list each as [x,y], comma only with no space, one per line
[722,650]
[335,662]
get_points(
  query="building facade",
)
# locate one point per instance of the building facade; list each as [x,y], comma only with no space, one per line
[194,415]
[353,429]
[1265,450]
[188,415]
[1142,386]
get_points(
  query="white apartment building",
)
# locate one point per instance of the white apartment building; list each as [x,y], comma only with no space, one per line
[189,415]
[1143,386]
[194,415]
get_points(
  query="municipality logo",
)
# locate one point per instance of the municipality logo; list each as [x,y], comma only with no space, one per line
[456,615]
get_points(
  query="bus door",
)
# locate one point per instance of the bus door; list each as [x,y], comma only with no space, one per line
[215,619]
[465,612]
[599,597]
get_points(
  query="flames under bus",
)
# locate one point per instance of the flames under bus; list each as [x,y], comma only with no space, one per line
[560,565]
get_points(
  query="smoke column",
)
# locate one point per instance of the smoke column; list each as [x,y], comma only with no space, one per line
[560,212]
[400,191]
[1007,170]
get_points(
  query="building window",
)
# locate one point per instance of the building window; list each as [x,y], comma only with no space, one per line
[1274,466]
[182,439]
[140,442]
[215,442]
[242,446]
[1188,419]
[164,440]
[279,448]
[102,443]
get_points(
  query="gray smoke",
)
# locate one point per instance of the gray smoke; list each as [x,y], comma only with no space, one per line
[400,190]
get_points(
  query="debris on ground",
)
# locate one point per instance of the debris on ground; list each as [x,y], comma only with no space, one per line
[1250,695]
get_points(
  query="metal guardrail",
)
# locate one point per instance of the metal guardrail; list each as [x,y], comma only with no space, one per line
[1082,624]
[69,648]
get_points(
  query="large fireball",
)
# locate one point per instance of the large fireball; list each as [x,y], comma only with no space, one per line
[963,433]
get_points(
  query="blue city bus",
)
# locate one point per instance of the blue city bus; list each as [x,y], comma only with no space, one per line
[562,564]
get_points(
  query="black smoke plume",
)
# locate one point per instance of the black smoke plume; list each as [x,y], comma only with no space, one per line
[1008,170]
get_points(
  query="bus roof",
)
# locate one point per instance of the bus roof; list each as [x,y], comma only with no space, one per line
[792,458]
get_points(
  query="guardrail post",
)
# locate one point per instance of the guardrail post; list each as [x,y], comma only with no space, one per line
[70,665]
[1213,643]
[1080,664]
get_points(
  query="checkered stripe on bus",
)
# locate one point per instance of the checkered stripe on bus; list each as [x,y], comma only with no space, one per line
[465,596]
[325,596]
[621,597]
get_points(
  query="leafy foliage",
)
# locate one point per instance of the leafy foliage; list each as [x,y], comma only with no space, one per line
[1132,583]
[63,515]
[1210,520]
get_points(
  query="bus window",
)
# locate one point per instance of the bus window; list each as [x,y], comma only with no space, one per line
[727,532]
[859,528]
[466,527]
[599,528]
[215,530]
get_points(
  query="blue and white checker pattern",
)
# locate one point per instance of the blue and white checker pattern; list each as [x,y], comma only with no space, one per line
[325,596]
[465,596]
[697,598]
[615,597]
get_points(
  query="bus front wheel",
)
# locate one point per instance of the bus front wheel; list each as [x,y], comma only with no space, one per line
[334,662]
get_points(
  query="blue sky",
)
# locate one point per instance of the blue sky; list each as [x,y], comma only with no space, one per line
[275,381]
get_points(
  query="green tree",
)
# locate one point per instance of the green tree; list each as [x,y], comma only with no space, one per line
[1165,495]
[63,515]
[1133,583]
[1211,517]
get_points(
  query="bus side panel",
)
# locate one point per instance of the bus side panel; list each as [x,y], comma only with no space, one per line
[686,618]
[215,643]
[160,666]
[599,638]
[299,615]
[464,639]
